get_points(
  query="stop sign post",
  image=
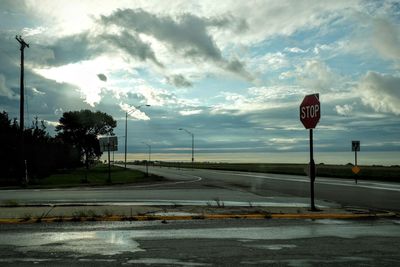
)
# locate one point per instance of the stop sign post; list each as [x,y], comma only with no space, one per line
[310,113]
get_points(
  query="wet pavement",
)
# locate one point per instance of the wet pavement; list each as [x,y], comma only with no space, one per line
[232,242]
[184,222]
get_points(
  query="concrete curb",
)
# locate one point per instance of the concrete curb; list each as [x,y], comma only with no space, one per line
[164,218]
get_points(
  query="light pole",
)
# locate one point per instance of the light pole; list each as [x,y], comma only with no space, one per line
[126,127]
[148,162]
[183,129]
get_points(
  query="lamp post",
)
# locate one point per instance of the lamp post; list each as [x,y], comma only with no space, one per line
[148,162]
[183,129]
[126,127]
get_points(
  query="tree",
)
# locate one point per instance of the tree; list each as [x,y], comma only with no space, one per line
[9,143]
[81,129]
[44,154]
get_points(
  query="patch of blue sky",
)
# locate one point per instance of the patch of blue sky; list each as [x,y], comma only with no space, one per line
[354,66]
[15,21]
[207,88]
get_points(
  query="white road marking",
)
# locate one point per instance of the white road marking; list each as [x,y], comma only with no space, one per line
[369,185]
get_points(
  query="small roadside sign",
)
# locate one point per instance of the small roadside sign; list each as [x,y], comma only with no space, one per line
[108,143]
[355,145]
[355,169]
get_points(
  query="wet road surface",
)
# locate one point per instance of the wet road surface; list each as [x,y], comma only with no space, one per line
[237,188]
[366,194]
[203,243]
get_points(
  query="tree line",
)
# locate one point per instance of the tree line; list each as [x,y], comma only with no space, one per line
[74,145]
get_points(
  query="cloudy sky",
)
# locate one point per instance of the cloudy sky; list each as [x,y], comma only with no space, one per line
[231,72]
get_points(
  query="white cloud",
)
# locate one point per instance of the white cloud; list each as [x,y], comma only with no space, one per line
[386,39]
[264,19]
[344,110]
[37,92]
[286,141]
[84,75]
[315,75]
[190,112]
[156,97]
[134,112]
[33,31]
[52,123]
[270,62]
[258,98]
[295,50]
[381,92]
[4,90]
[322,47]
[58,111]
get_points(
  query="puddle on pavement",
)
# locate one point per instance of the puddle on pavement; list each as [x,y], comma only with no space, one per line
[95,242]
[331,221]
[111,242]
[172,213]
[272,247]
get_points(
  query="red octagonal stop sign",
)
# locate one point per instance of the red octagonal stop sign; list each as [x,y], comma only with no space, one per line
[310,111]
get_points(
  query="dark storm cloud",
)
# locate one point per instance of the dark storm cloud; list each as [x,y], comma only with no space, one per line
[102,77]
[9,67]
[133,45]
[73,48]
[178,81]
[187,35]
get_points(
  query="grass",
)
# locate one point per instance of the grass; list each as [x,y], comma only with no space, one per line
[9,203]
[385,173]
[96,176]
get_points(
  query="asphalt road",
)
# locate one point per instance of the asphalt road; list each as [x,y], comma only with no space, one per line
[188,186]
[203,243]
[366,194]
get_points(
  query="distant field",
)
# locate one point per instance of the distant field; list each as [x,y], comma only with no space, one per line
[323,170]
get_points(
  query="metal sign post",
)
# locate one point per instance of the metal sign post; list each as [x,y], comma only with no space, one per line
[310,113]
[109,165]
[355,146]
[312,170]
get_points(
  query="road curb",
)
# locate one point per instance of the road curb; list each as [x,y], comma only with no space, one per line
[164,218]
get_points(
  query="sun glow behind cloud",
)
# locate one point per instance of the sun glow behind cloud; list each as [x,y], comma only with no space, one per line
[213,67]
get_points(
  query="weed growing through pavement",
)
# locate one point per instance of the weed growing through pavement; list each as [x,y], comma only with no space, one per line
[26,217]
[107,213]
[220,204]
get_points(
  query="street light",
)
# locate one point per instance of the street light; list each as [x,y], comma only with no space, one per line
[183,129]
[126,126]
[147,165]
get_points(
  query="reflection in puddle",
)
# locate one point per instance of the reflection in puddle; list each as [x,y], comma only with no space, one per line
[95,242]
[330,221]
[275,246]
[111,242]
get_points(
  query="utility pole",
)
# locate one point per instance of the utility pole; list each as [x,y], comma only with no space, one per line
[23,45]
